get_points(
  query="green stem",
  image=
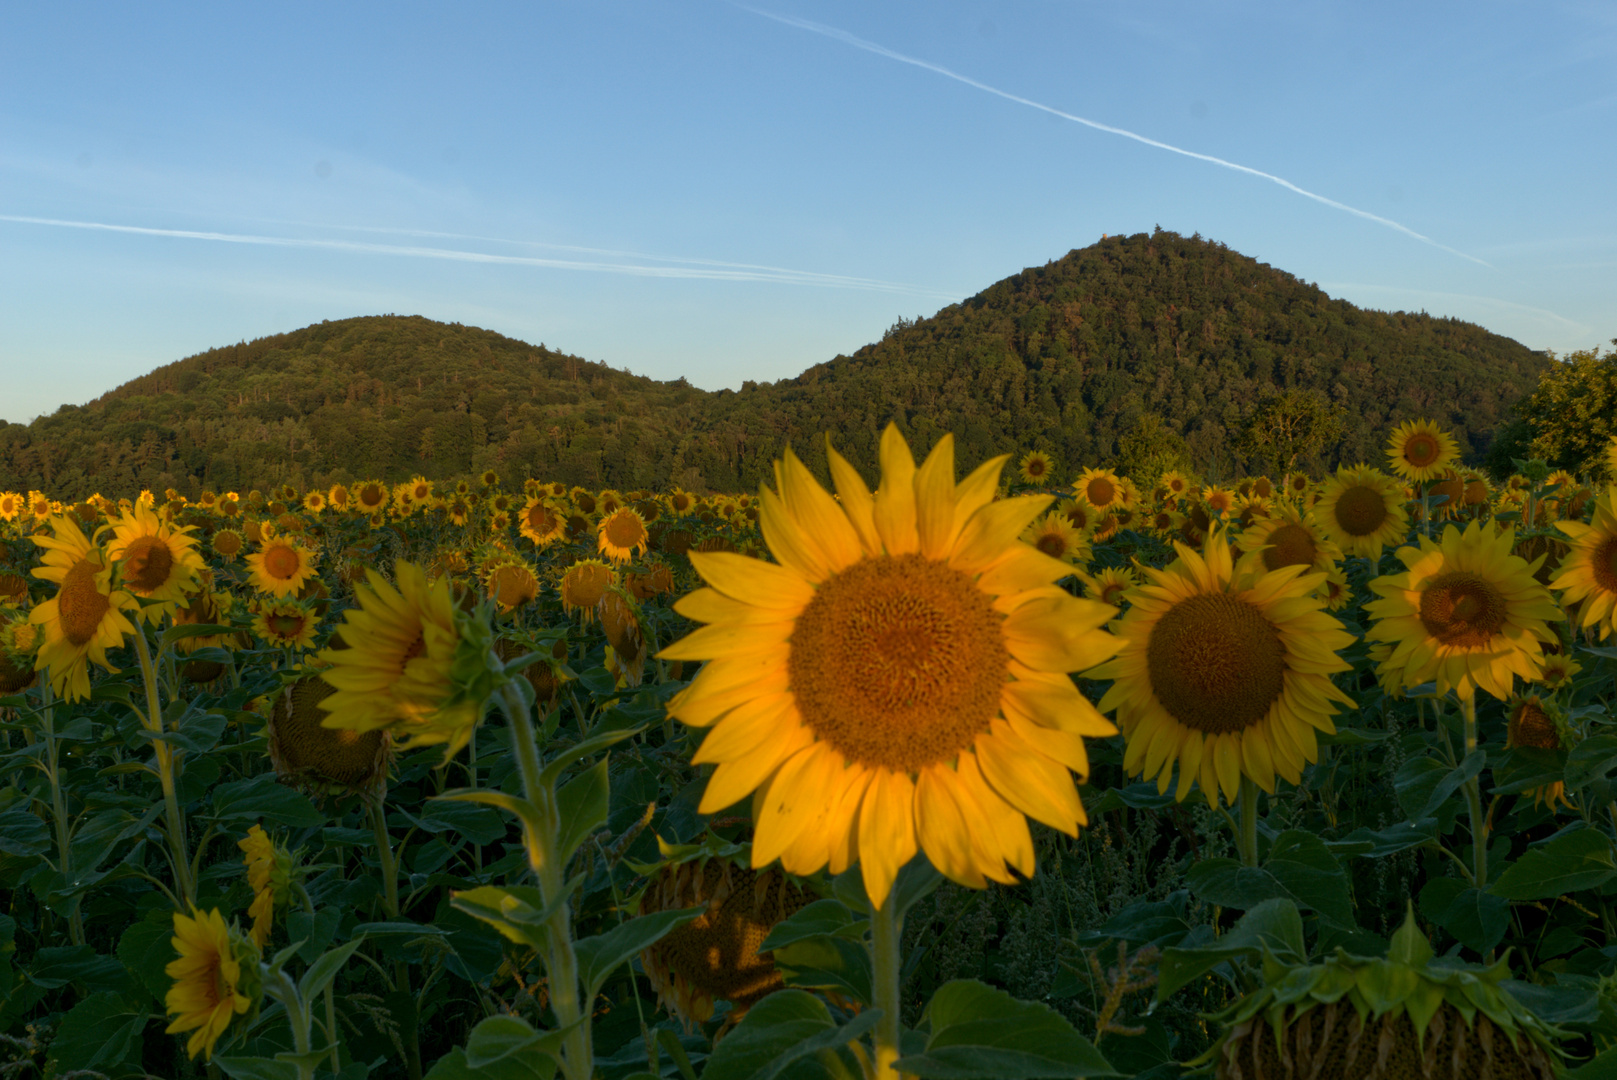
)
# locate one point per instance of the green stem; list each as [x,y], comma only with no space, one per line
[886,936]
[297,1017]
[53,768]
[165,771]
[390,903]
[1249,822]
[1473,799]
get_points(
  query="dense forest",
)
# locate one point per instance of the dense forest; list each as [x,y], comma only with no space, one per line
[1152,339]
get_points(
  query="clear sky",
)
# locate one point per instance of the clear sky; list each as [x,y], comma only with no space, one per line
[731,192]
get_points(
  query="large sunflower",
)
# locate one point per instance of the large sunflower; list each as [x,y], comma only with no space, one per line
[1466,614]
[156,561]
[208,979]
[280,568]
[899,681]
[395,671]
[1292,537]
[1101,487]
[1420,450]
[1362,511]
[86,616]
[1225,672]
[1588,573]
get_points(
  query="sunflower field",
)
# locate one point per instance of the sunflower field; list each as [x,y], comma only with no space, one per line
[1014,775]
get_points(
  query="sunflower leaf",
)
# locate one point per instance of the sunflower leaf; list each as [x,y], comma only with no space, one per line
[1591,760]
[600,955]
[785,1035]
[980,1032]
[1575,860]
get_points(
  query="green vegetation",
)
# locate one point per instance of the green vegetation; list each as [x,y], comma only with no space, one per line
[1133,347]
[1568,420]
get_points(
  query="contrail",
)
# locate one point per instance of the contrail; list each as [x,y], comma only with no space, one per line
[708,271]
[881,50]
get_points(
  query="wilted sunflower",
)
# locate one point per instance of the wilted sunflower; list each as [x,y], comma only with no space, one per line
[1292,537]
[716,957]
[370,496]
[156,561]
[1224,672]
[1466,614]
[625,633]
[1588,572]
[1540,723]
[1420,450]
[1361,510]
[511,584]
[395,672]
[1036,467]
[583,585]
[280,568]
[621,533]
[1055,536]
[86,616]
[1099,487]
[899,681]
[215,967]
[317,759]
[287,624]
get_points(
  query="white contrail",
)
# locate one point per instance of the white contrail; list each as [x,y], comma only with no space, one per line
[709,271]
[881,50]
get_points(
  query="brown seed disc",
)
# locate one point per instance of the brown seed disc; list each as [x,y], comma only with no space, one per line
[1216,663]
[1463,609]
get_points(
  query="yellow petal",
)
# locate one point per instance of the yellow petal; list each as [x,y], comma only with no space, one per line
[894,508]
[886,832]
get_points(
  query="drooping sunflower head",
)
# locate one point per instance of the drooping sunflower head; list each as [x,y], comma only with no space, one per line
[1466,613]
[1056,537]
[86,616]
[1224,672]
[215,979]
[320,760]
[511,583]
[621,533]
[1383,1019]
[1292,537]
[280,567]
[716,957]
[898,681]
[1420,450]
[1100,487]
[622,621]
[156,561]
[1362,511]
[1036,467]
[1541,723]
[583,584]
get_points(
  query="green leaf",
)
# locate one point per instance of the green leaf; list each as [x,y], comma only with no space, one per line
[1227,883]
[1524,768]
[146,948]
[1274,925]
[523,810]
[325,969]
[582,805]
[827,962]
[479,824]
[518,912]
[1581,859]
[191,630]
[256,1068]
[600,955]
[1388,841]
[980,1033]
[670,1043]
[1449,783]
[23,833]
[782,1036]
[1592,759]
[581,750]
[508,1048]
[1476,919]
[821,918]
[57,965]
[264,799]
[1304,866]
[98,1033]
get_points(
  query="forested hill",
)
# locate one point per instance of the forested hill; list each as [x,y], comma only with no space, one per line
[1152,334]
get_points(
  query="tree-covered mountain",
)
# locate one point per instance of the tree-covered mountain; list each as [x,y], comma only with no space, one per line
[1152,340]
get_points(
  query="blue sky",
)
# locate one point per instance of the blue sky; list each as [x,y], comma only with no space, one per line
[727,192]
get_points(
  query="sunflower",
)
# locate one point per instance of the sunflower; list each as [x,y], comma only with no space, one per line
[1291,538]
[1539,723]
[19,640]
[229,506]
[1558,670]
[716,958]
[898,682]
[156,562]
[583,585]
[339,497]
[1361,510]
[1420,450]
[215,966]
[680,502]
[370,496]
[86,616]
[511,584]
[1588,572]
[1335,590]
[625,633]
[314,502]
[317,759]
[1055,536]
[227,543]
[1218,500]
[1224,671]
[286,624]
[1100,487]
[1466,613]
[395,672]
[1109,584]
[280,568]
[1177,483]
[420,490]
[499,522]
[1036,467]
[489,478]
[269,875]
[609,502]
[620,533]
[11,504]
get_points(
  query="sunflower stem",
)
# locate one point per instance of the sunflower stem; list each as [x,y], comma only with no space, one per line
[561,962]
[1473,799]
[886,935]
[53,768]
[390,902]
[1249,822]
[165,770]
